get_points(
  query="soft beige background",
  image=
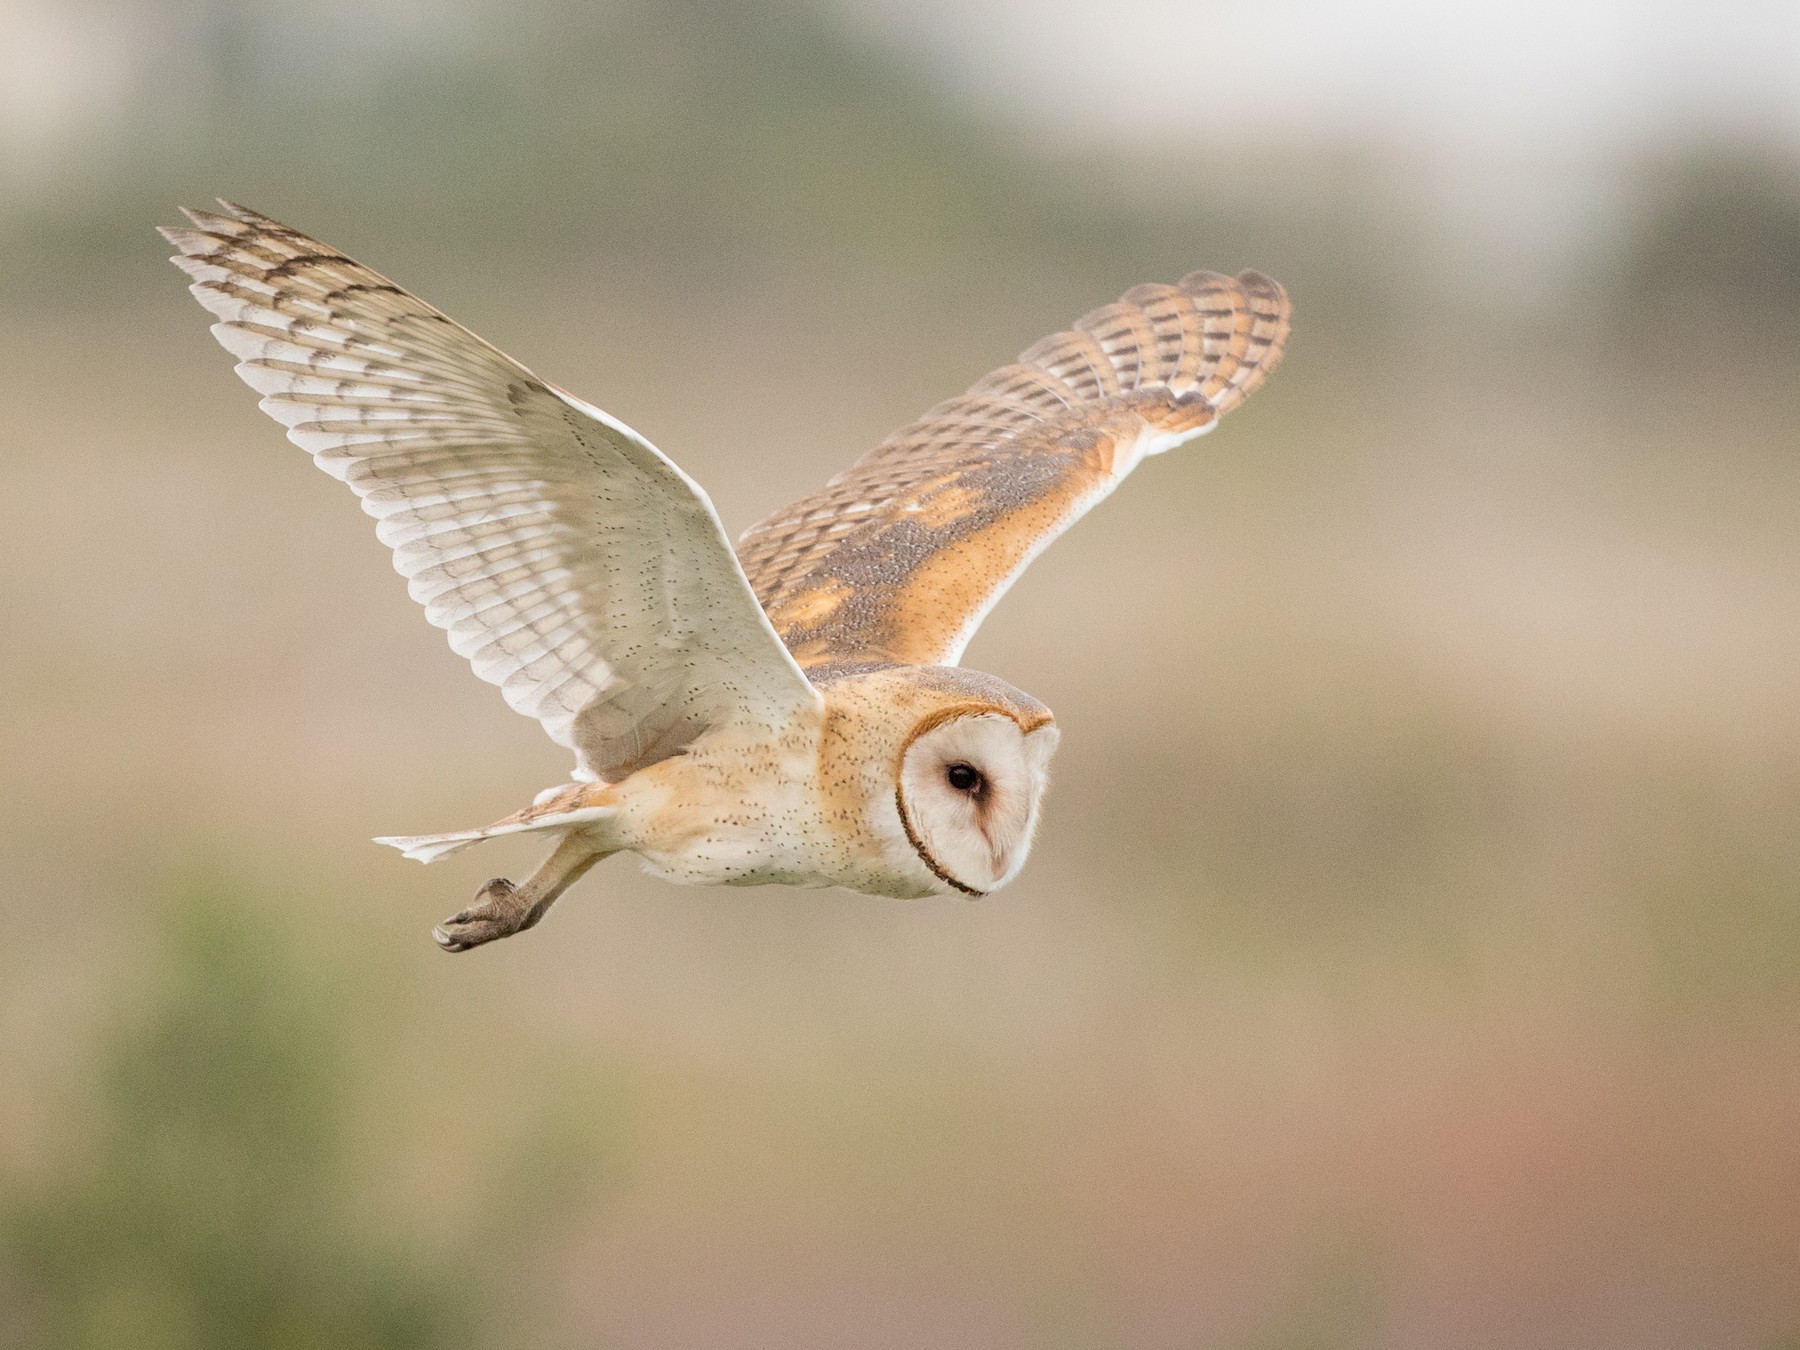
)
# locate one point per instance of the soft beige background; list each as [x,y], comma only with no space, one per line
[1409,957]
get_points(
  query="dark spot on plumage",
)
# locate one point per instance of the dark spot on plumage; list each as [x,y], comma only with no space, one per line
[519,392]
[294,264]
[832,671]
[366,286]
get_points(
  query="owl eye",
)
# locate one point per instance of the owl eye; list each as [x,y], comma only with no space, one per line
[964,777]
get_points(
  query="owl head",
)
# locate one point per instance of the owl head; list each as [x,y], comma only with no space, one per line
[953,765]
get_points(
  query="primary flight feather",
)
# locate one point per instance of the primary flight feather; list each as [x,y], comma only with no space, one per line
[789,713]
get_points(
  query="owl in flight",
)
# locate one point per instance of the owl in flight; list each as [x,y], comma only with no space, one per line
[791,712]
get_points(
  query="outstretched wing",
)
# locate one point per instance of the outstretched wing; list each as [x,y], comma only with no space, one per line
[900,557]
[569,561]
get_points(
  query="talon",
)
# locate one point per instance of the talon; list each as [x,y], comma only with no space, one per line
[497,913]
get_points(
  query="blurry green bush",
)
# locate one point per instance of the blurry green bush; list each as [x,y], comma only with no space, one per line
[213,1206]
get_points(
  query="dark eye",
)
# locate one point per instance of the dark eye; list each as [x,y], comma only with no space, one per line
[964,777]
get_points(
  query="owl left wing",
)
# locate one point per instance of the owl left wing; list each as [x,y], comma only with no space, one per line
[899,558]
[571,562]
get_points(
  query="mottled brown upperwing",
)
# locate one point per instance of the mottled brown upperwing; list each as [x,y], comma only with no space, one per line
[898,558]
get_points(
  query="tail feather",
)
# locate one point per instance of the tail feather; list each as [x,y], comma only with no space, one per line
[429,848]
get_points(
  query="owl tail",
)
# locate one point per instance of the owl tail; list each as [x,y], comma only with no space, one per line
[554,812]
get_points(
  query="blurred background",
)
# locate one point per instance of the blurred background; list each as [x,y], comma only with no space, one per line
[1411,954]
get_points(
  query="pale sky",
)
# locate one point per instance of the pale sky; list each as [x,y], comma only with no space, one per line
[1531,73]
[1477,77]
[1522,121]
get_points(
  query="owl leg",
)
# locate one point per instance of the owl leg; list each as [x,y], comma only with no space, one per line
[502,909]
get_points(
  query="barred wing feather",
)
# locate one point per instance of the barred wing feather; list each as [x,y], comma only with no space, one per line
[899,558]
[574,565]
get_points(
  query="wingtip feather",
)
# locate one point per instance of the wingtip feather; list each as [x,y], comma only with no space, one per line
[247,215]
[191,241]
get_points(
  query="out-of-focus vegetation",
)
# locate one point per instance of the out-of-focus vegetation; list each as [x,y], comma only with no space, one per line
[213,1192]
[209,1203]
[1409,957]
[682,127]
[715,144]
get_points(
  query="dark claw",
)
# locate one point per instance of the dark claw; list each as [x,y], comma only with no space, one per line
[496,914]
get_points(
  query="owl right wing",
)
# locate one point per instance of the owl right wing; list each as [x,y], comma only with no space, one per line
[900,557]
[574,565]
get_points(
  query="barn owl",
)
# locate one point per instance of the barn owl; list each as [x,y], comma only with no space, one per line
[791,712]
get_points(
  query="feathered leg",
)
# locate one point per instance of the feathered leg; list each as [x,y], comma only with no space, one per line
[502,909]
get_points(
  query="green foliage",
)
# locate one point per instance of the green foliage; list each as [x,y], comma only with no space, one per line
[1336,1301]
[212,1208]
[1721,239]
[672,131]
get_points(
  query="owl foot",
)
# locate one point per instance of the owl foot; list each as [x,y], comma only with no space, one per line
[500,910]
